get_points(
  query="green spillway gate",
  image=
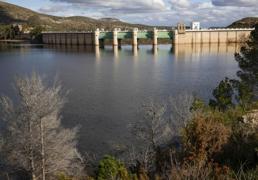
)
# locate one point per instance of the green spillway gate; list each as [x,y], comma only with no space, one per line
[140,35]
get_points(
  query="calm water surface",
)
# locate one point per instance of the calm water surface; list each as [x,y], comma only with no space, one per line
[107,87]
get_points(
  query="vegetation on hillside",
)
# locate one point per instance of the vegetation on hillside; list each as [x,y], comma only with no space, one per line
[248,22]
[7,32]
[12,14]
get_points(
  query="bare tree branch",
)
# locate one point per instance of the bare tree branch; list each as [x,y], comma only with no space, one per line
[35,139]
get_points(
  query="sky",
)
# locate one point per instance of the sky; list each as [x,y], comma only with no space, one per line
[210,13]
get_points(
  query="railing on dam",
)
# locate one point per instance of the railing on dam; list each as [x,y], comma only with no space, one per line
[220,29]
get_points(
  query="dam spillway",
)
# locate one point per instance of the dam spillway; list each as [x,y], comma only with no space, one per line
[176,36]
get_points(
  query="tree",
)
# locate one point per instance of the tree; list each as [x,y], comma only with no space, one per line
[248,74]
[7,32]
[154,131]
[181,110]
[244,90]
[36,33]
[153,128]
[34,138]
[223,95]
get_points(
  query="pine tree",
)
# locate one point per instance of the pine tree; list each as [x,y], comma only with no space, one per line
[244,90]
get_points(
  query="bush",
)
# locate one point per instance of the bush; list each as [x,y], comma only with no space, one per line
[110,168]
[242,147]
[223,95]
[203,138]
[192,171]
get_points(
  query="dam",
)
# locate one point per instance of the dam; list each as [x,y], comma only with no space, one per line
[180,35]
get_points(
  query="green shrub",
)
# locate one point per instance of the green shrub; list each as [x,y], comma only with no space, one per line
[110,168]
[223,95]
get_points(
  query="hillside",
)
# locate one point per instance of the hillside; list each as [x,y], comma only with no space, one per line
[248,22]
[10,14]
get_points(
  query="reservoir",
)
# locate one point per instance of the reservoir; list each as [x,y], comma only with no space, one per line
[107,87]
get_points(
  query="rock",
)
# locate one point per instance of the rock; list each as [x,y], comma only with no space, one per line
[251,119]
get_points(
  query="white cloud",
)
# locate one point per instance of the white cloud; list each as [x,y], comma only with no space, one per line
[205,5]
[53,8]
[159,12]
[240,3]
[181,3]
[126,6]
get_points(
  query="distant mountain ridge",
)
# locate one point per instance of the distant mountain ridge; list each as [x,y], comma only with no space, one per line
[13,14]
[248,22]
[10,14]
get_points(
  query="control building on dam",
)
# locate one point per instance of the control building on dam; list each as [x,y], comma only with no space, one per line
[180,35]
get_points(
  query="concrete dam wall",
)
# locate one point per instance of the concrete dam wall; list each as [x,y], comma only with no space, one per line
[178,36]
[212,36]
[68,38]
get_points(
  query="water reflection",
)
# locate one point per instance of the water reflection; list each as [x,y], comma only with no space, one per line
[183,51]
[97,53]
[155,50]
[70,48]
[115,48]
[135,50]
[180,50]
[108,86]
